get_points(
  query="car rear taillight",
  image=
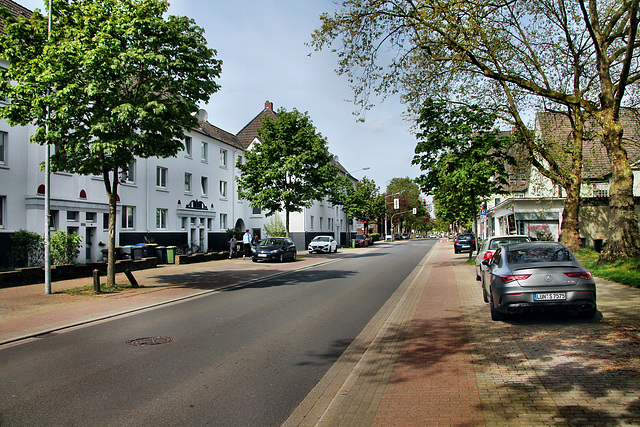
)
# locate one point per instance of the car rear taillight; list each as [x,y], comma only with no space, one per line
[489,254]
[511,278]
[581,275]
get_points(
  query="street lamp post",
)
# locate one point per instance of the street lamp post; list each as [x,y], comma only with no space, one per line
[47,187]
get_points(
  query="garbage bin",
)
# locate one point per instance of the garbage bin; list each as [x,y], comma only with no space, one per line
[126,252]
[583,242]
[136,251]
[353,243]
[149,250]
[105,254]
[161,254]
[597,245]
[171,254]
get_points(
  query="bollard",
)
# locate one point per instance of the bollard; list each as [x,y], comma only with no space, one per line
[96,281]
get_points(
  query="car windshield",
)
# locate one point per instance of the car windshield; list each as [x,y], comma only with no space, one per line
[529,254]
[496,243]
[321,239]
[271,242]
[359,236]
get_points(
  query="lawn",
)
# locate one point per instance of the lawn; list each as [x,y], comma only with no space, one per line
[622,271]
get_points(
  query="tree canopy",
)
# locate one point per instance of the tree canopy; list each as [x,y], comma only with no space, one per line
[364,202]
[463,157]
[289,168]
[114,81]
[579,57]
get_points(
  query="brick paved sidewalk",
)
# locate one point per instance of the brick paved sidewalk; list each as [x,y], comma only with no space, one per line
[432,356]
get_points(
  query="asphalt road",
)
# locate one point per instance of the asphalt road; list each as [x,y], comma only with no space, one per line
[245,356]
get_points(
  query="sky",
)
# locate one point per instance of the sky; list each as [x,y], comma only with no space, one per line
[262,44]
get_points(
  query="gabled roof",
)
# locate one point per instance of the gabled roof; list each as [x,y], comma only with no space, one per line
[250,132]
[15,9]
[215,132]
[596,163]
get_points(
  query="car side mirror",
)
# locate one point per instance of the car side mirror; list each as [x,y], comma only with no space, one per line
[486,262]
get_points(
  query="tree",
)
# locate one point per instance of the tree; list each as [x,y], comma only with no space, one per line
[577,57]
[364,202]
[463,158]
[408,193]
[27,248]
[64,247]
[115,81]
[289,168]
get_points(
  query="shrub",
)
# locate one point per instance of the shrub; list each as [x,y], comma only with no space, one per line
[275,228]
[64,247]
[27,248]
[375,236]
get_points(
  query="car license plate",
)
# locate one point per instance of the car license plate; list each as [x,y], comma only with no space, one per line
[466,246]
[550,297]
[262,255]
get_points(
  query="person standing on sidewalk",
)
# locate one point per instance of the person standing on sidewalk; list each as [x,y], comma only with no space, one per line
[232,246]
[246,244]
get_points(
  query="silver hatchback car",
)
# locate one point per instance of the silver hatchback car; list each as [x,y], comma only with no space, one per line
[527,276]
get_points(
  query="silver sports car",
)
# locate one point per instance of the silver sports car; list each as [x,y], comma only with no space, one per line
[528,276]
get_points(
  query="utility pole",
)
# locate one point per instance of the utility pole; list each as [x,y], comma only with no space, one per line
[47,187]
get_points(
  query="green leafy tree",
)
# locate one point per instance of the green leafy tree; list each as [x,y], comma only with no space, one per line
[409,198]
[27,248]
[364,202]
[65,247]
[275,227]
[457,151]
[117,80]
[577,57]
[289,168]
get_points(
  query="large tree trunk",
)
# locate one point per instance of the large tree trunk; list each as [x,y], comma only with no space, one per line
[570,231]
[624,235]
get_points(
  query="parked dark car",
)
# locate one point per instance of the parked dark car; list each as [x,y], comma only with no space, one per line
[465,242]
[274,249]
[538,275]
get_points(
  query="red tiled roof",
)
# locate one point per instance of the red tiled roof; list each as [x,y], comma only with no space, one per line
[248,133]
[215,132]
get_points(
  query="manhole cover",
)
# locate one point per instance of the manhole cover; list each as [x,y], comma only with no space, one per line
[149,341]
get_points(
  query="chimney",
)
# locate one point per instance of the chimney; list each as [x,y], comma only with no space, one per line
[268,105]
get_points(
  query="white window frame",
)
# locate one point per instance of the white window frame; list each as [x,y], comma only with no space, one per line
[3,204]
[188,180]
[204,185]
[4,137]
[188,147]
[161,218]
[204,152]
[223,158]
[223,189]
[128,176]
[162,175]
[128,217]
[223,221]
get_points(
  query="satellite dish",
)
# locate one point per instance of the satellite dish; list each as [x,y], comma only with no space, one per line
[202,115]
[336,159]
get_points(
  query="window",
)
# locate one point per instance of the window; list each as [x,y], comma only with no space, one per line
[188,146]
[223,189]
[3,148]
[204,155]
[223,221]
[311,222]
[128,175]
[161,219]
[90,216]
[53,220]
[187,182]
[3,202]
[209,224]
[183,222]
[128,215]
[204,185]
[73,216]
[105,221]
[223,158]
[257,211]
[161,177]
[320,225]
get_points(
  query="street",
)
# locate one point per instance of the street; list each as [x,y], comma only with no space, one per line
[244,356]
[396,334]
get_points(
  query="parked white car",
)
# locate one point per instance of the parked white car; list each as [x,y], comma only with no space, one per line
[324,244]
